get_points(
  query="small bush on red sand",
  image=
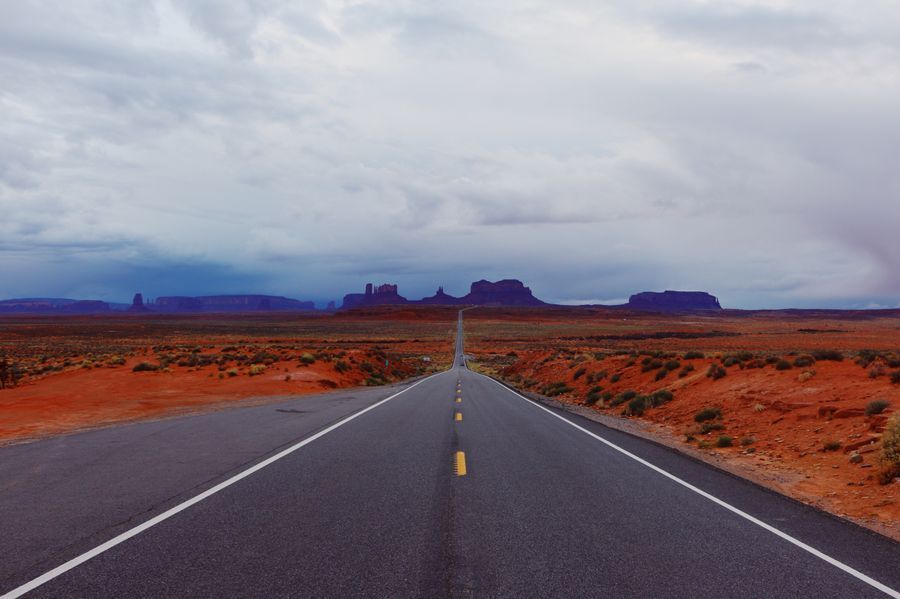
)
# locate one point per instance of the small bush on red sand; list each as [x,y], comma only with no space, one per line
[804,361]
[716,372]
[694,355]
[895,377]
[828,354]
[890,451]
[831,445]
[707,414]
[145,367]
[782,365]
[877,407]
[724,441]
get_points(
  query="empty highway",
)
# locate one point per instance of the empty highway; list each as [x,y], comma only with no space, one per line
[448,486]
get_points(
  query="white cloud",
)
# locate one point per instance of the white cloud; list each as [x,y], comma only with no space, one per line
[591,150]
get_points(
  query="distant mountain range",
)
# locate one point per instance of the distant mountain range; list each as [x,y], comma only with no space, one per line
[507,292]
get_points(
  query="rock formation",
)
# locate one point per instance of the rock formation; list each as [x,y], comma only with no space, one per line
[508,292]
[673,301]
[137,304]
[382,295]
[441,299]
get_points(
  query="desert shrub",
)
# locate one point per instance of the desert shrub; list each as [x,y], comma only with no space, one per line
[557,388]
[232,372]
[261,357]
[704,444]
[694,355]
[724,441]
[672,365]
[145,367]
[772,359]
[708,427]
[307,358]
[661,374]
[578,374]
[375,381]
[648,364]
[890,450]
[782,364]
[116,361]
[685,370]
[256,369]
[341,366]
[623,397]
[716,372]
[730,361]
[877,371]
[804,361]
[658,398]
[637,406]
[748,441]
[895,377]
[828,354]
[865,357]
[615,378]
[877,406]
[592,398]
[707,414]
[831,445]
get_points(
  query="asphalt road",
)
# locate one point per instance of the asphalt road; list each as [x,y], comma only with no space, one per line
[452,486]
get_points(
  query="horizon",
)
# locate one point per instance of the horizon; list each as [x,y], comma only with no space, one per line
[591,151]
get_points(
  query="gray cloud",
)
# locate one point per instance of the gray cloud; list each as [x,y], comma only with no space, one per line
[593,150]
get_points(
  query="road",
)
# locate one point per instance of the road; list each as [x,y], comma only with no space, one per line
[450,486]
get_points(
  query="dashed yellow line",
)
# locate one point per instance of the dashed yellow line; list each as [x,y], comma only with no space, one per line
[459,400]
[459,416]
[460,463]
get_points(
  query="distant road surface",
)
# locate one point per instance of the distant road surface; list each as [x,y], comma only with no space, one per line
[451,486]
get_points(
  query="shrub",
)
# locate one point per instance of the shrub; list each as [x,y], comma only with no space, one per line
[578,374]
[648,364]
[694,355]
[730,361]
[661,374]
[341,366]
[615,378]
[876,406]
[145,367]
[557,388]
[232,372]
[782,364]
[672,365]
[658,398]
[890,450]
[256,369]
[704,444]
[592,398]
[307,358]
[116,361]
[637,406]
[685,370]
[707,414]
[804,361]
[831,445]
[748,441]
[707,427]
[772,359]
[724,441]
[828,354]
[877,371]
[623,397]
[716,372]
[895,377]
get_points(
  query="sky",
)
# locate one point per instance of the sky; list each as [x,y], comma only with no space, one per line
[591,149]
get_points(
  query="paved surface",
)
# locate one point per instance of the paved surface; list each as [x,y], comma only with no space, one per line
[375,508]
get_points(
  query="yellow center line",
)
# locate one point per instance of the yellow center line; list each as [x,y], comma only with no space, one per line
[460,463]
[459,416]
[459,400]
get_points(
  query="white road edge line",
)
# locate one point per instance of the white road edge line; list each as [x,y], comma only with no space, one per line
[77,561]
[849,570]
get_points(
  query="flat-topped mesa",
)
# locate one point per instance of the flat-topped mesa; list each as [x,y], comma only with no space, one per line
[673,301]
[230,303]
[508,292]
[385,294]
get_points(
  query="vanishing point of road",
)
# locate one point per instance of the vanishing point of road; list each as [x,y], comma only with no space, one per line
[449,486]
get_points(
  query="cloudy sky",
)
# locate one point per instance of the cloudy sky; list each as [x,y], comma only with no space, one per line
[591,149]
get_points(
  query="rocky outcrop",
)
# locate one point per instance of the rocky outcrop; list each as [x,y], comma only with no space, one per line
[230,303]
[441,299]
[53,306]
[137,304]
[382,295]
[673,301]
[508,292]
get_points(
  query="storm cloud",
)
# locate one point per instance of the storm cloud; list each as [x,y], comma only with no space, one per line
[590,149]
